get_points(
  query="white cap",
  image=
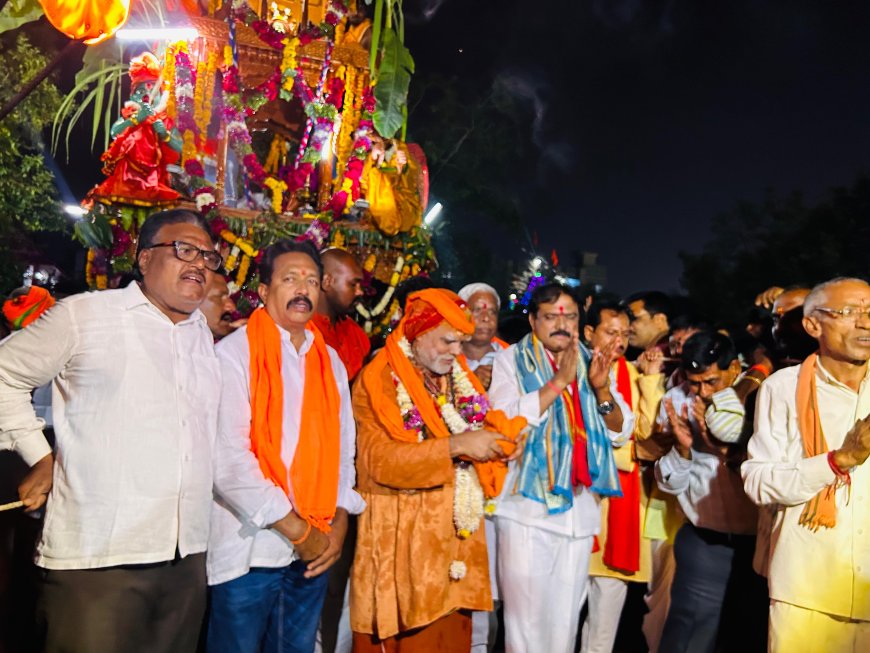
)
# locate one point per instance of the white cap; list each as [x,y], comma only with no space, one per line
[474,288]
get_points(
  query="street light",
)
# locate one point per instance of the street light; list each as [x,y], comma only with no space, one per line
[74,210]
[433,213]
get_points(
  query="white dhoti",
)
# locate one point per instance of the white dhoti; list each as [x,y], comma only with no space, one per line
[605,602]
[484,625]
[543,579]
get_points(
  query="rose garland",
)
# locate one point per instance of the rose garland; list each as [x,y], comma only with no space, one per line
[467,412]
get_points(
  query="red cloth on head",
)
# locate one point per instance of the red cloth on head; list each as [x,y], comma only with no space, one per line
[426,309]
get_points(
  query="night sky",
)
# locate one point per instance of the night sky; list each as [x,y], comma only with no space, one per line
[645,120]
[651,118]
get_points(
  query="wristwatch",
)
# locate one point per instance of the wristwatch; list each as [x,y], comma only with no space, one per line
[606,407]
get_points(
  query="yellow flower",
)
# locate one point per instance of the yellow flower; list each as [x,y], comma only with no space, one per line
[463,533]
[441,400]
[489,507]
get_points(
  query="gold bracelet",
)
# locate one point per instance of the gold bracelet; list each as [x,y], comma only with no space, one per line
[752,378]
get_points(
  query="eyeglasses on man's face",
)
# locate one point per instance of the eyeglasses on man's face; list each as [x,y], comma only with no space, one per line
[847,313]
[189,253]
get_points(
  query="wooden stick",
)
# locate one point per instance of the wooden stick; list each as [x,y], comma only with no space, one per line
[11,506]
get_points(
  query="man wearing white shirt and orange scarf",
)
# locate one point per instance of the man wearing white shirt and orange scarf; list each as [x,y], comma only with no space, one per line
[807,460]
[547,515]
[135,391]
[284,471]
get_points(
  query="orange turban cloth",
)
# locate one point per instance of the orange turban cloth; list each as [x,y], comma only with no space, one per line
[24,309]
[144,68]
[426,309]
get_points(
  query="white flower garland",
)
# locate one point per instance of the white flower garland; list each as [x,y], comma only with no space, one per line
[468,498]
[457,570]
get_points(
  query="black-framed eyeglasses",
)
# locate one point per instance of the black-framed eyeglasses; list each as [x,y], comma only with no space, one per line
[189,253]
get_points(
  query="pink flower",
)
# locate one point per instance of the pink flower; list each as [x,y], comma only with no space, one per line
[120,240]
[194,168]
[331,18]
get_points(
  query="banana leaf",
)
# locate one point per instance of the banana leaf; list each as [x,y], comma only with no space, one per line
[391,92]
[94,232]
[18,12]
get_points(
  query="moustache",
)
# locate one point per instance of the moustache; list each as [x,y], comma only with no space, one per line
[560,332]
[301,298]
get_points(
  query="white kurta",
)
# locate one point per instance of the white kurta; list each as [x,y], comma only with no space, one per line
[245,501]
[543,559]
[826,571]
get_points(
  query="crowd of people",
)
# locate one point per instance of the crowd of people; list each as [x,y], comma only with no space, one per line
[272,484]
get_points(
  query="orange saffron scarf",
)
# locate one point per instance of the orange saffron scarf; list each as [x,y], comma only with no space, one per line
[24,309]
[821,510]
[313,476]
[491,474]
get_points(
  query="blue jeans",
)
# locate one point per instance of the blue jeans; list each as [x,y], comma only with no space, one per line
[268,610]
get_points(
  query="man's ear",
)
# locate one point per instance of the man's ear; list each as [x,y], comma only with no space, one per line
[812,326]
[326,281]
[661,321]
[588,330]
[262,291]
[144,260]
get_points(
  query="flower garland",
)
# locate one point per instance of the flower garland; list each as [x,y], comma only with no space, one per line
[185,83]
[379,308]
[467,412]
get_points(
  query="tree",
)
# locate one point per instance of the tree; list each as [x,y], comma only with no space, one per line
[779,242]
[28,196]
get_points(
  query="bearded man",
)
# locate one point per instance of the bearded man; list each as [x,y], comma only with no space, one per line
[342,287]
[430,452]
[547,516]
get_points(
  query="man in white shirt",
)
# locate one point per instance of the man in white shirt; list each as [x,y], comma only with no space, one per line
[547,515]
[136,388]
[284,472]
[807,461]
[480,351]
[714,549]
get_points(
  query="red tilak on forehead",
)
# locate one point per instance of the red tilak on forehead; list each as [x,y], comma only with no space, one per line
[484,306]
[561,309]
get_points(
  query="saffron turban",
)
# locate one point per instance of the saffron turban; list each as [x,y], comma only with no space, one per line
[144,68]
[20,311]
[426,309]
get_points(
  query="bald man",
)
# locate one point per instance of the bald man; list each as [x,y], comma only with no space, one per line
[341,288]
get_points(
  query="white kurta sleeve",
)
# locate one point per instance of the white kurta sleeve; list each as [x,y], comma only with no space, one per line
[770,475]
[28,359]
[238,479]
[505,393]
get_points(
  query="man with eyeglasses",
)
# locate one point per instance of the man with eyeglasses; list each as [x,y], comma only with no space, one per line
[136,388]
[547,516]
[807,462]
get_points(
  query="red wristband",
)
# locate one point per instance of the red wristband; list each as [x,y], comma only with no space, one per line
[764,369]
[554,387]
[841,474]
